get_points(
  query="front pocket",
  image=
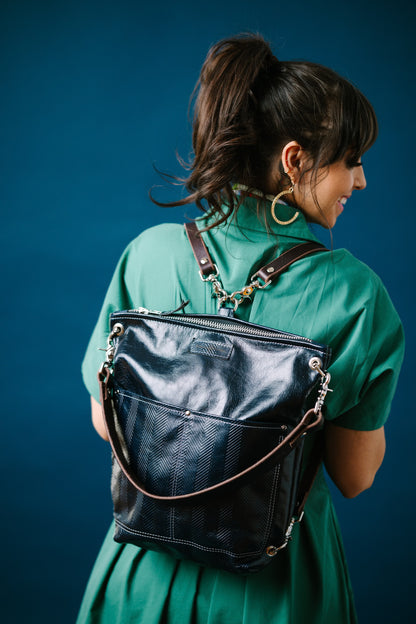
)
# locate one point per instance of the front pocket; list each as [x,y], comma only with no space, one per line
[173,451]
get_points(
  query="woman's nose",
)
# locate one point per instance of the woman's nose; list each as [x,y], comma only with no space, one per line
[359,181]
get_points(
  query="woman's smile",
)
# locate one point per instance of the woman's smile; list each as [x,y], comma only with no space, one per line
[332,191]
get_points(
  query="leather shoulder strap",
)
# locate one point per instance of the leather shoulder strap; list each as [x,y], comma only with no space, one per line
[267,273]
[201,253]
[280,264]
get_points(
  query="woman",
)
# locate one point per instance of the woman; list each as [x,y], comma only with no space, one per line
[264,128]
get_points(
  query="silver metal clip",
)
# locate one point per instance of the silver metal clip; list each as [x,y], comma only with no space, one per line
[209,277]
[316,364]
[117,330]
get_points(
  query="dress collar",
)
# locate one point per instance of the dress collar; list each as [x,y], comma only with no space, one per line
[253,221]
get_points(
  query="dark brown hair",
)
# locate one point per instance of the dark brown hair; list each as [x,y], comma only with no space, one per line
[249,105]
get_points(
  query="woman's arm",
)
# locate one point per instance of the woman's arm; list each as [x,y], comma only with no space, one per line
[352,458]
[97,419]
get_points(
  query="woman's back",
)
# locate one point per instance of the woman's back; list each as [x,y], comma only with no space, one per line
[331,298]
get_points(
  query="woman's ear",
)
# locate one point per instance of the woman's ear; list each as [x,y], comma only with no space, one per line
[293,156]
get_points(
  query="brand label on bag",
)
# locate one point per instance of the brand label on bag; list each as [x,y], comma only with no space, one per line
[211,348]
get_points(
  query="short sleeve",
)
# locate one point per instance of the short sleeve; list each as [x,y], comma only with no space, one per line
[368,361]
[118,297]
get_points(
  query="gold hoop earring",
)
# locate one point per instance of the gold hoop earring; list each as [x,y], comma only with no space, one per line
[288,191]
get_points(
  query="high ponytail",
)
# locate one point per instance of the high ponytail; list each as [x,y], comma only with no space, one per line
[249,105]
[225,134]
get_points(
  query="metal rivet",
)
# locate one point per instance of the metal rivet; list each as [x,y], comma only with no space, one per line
[187,413]
[271,551]
[315,363]
[270,270]
[203,261]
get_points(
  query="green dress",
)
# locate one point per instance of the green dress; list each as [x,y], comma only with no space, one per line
[333,299]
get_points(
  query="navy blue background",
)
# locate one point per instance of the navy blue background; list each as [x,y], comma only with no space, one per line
[92,95]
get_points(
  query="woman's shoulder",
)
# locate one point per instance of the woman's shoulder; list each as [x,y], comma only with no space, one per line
[355,273]
[351,291]
[358,296]
[159,241]
[158,235]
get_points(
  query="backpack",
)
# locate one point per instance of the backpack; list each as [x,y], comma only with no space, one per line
[206,416]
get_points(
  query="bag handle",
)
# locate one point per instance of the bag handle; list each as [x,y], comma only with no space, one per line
[267,273]
[311,420]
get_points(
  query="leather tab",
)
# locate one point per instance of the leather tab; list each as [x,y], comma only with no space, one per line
[201,253]
[280,264]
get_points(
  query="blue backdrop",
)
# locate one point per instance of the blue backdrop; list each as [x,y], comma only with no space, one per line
[92,95]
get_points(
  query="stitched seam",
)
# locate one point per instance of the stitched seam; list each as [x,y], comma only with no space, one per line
[175,478]
[186,542]
[172,538]
[271,506]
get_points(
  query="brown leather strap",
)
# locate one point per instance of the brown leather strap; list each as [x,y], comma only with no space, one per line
[201,253]
[280,264]
[311,420]
[267,273]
